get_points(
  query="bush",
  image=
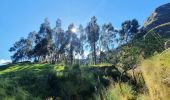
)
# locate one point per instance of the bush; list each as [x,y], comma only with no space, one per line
[10,90]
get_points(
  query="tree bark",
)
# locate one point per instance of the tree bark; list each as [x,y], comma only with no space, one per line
[94,53]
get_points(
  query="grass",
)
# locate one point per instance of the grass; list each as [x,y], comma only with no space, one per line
[122,91]
[101,65]
[24,68]
[40,81]
[156,71]
[26,81]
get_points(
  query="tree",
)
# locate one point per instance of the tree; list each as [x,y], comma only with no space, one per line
[107,37]
[82,41]
[22,50]
[43,47]
[107,41]
[59,41]
[129,30]
[31,43]
[92,31]
[128,57]
[72,43]
[56,45]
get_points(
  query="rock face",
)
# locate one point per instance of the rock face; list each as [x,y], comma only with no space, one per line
[160,16]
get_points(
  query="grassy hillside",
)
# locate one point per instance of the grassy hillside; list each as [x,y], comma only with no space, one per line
[156,73]
[16,70]
[27,81]
[31,81]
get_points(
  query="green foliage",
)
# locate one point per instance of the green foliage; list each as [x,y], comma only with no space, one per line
[153,43]
[81,82]
[10,90]
[129,30]
[128,57]
[92,31]
[21,49]
[121,91]
[154,39]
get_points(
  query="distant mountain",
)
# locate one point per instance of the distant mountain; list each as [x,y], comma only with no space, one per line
[160,17]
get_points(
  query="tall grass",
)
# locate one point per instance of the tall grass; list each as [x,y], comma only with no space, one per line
[122,91]
[156,75]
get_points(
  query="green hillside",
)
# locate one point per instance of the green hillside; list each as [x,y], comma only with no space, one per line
[33,69]
[29,81]
[92,62]
[162,29]
[25,81]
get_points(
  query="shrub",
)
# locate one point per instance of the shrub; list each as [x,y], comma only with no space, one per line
[10,90]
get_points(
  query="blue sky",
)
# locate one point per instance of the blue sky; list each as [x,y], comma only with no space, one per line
[19,17]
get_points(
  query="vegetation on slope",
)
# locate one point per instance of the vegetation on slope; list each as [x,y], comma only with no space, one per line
[156,75]
[108,73]
[38,81]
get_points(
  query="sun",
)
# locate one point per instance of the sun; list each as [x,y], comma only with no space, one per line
[74,30]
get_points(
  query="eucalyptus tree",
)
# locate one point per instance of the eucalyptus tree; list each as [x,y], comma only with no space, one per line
[82,41]
[134,28]
[129,30]
[92,31]
[107,41]
[43,47]
[31,41]
[107,37]
[21,50]
[59,41]
[72,43]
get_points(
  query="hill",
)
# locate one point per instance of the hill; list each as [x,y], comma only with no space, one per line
[33,81]
[161,15]
[26,81]
[29,81]
[146,79]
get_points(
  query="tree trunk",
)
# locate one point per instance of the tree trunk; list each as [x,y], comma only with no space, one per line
[71,54]
[94,53]
[133,71]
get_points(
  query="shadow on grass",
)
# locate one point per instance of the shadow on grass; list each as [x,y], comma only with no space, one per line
[72,83]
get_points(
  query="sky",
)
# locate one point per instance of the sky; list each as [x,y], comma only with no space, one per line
[19,17]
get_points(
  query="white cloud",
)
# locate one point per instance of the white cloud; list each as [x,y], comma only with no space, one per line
[3,61]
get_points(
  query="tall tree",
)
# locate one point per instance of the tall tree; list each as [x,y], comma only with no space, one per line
[129,30]
[82,41]
[31,43]
[73,42]
[107,37]
[59,39]
[43,47]
[92,31]
[107,41]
